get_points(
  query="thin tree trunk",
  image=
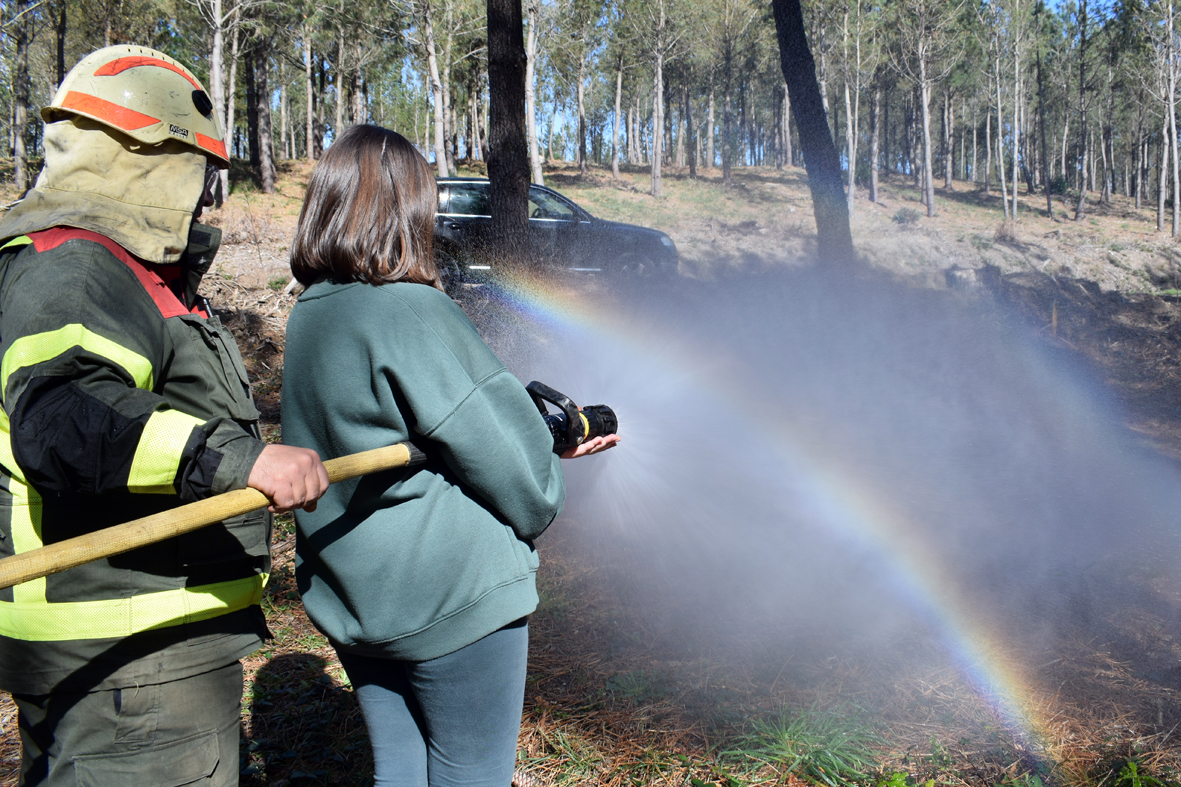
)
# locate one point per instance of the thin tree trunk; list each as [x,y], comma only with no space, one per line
[1041,104]
[20,121]
[1172,112]
[788,153]
[875,121]
[1000,135]
[1162,180]
[689,129]
[1081,207]
[266,152]
[436,90]
[615,122]
[658,101]
[1016,101]
[925,97]
[534,13]
[710,123]
[283,109]
[61,43]
[580,95]
[987,151]
[311,94]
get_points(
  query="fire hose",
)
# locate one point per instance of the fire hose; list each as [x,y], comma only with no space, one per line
[570,428]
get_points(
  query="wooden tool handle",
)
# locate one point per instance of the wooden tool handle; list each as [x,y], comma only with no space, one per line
[118,539]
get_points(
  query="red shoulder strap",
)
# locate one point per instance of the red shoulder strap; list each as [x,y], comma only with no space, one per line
[149,275]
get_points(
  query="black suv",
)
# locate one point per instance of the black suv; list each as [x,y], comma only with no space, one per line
[559,228]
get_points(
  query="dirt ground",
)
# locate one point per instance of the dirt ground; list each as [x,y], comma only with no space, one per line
[600,712]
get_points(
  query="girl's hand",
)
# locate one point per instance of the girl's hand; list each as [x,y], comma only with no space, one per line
[593,446]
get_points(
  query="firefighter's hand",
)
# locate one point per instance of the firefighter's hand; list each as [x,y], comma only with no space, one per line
[594,445]
[290,477]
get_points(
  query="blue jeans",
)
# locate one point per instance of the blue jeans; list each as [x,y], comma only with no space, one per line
[448,721]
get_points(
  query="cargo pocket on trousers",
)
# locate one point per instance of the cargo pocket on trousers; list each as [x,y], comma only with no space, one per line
[187,761]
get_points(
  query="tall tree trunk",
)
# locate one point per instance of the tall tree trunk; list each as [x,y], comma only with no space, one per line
[987,151]
[789,157]
[534,12]
[581,96]
[875,122]
[820,154]
[1081,208]
[727,121]
[692,132]
[1016,102]
[682,127]
[1041,105]
[1000,135]
[508,158]
[266,152]
[437,88]
[311,94]
[1172,113]
[615,122]
[658,101]
[1162,180]
[948,141]
[710,153]
[253,99]
[925,100]
[283,109]
[61,43]
[20,113]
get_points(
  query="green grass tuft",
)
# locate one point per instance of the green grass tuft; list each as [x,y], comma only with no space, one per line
[831,746]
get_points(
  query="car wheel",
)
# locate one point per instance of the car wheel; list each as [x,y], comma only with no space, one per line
[635,266]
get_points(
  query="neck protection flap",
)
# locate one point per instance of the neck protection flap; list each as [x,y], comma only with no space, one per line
[142,197]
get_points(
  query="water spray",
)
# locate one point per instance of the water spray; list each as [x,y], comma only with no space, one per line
[574,425]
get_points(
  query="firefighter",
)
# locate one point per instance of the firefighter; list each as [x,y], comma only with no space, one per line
[124,396]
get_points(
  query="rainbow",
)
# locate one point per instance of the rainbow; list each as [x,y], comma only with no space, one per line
[836,489]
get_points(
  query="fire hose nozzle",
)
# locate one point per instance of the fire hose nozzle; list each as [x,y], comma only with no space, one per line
[573,425]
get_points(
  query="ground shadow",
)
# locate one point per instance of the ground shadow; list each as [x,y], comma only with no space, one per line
[304,727]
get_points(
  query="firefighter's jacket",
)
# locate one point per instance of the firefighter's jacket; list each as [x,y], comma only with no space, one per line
[122,396]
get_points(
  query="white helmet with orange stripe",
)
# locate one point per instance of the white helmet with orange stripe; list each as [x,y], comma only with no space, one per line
[144,94]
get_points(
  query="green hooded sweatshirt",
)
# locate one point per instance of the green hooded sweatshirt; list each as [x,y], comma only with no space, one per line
[414,564]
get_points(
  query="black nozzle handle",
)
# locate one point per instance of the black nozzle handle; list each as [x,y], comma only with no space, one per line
[542,393]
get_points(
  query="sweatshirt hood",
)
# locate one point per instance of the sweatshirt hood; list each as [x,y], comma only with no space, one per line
[142,197]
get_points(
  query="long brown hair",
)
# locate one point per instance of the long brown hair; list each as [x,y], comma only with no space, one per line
[369,213]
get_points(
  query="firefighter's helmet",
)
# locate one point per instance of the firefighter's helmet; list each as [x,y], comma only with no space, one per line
[144,94]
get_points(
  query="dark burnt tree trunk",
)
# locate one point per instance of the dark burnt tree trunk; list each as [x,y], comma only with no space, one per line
[508,154]
[821,161]
[262,90]
[61,42]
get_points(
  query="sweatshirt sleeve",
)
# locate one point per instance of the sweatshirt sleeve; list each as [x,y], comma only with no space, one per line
[498,444]
[82,351]
[478,415]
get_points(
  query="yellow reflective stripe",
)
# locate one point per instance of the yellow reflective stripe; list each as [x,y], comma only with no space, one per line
[40,347]
[25,521]
[122,617]
[157,457]
[23,240]
[6,457]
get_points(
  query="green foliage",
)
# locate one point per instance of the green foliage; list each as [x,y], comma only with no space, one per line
[1130,776]
[906,216]
[277,283]
[831,746]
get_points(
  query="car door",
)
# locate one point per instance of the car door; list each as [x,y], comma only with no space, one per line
[554,227]
[468,216]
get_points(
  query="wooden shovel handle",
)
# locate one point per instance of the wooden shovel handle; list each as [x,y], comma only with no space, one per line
[118,539]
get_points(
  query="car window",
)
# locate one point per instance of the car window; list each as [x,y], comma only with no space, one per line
[469,199]
[547,206]
[443,194]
